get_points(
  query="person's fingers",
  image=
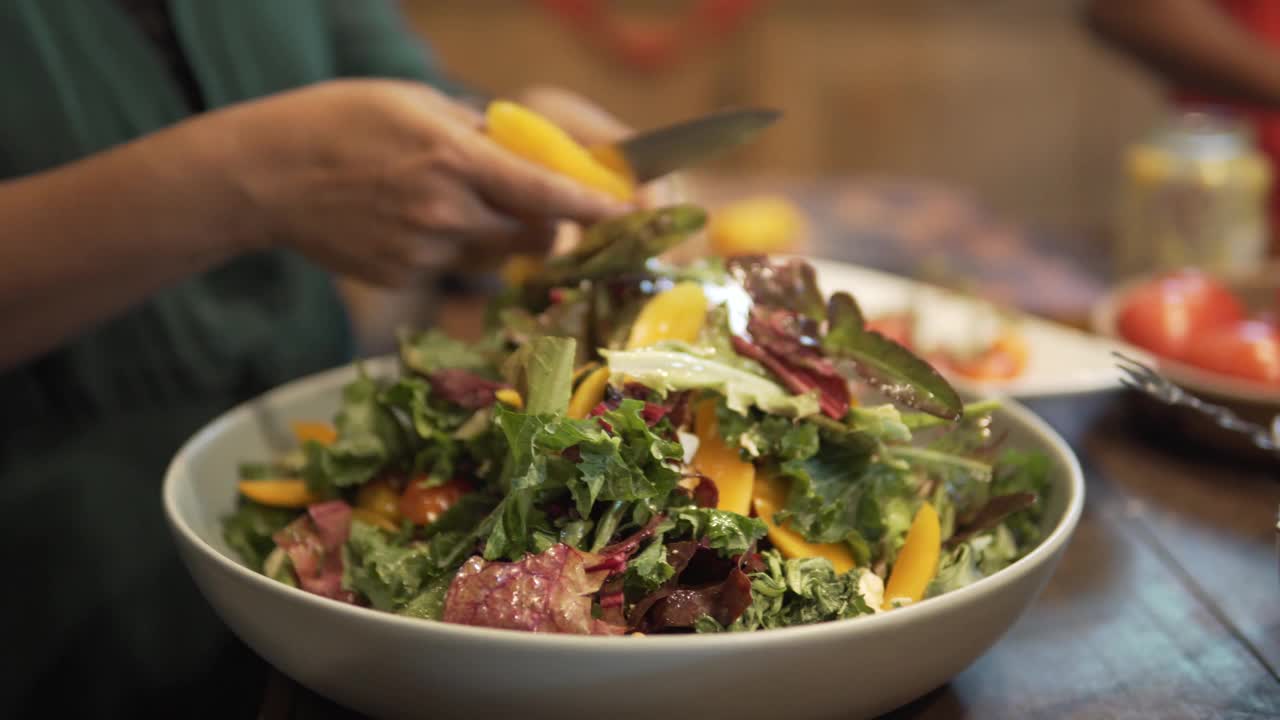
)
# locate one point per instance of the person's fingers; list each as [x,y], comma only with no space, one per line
[515,185]
[440,104]
[454,210]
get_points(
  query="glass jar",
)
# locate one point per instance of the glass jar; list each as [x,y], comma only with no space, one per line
[1196,193]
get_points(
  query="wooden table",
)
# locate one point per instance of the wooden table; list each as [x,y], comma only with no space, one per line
[1167,601]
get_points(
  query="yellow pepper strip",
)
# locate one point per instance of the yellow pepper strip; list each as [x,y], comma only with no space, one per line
[756,226]
[278,493]
[675,314]
[540,141]
[733,477]
[589,393]
[583,371]
[510,398]
[770,496]
[323,433]
[370,517]
[918,560]
[377,496]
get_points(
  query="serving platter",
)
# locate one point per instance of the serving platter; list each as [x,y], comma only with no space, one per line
[1061,360]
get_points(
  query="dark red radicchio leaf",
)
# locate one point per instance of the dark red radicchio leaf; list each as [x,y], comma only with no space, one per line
[314,543]
[724,601]
[703,584]
[789,284]
[705,493]
[991,514]
[833,393]
[464,388]
[549,592]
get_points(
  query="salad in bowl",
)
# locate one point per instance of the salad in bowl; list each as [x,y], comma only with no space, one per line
[636,447]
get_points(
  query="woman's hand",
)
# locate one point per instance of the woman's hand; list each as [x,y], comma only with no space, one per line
[590,124]
[382,179]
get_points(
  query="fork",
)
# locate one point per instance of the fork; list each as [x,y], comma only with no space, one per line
[1142,378]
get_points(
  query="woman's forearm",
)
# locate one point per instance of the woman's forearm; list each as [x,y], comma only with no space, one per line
[86,241]
[1194,43]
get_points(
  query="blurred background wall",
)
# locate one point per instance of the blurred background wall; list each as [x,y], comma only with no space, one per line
[1011,101]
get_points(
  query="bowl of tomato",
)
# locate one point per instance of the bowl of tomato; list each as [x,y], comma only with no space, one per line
[1215,335]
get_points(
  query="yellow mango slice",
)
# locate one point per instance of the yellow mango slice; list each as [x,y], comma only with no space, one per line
[918,560]
[770,496]
[321,432]
[510,398]
[278,493]
[675,314]
[540,141]
[733,477]
[589,393]
[756,226]
[370,517]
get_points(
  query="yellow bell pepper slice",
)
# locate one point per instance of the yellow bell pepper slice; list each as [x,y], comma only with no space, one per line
[918,560]
[370,517]
[378,497]
[278,493]
[589,393]
[510,398]
[675,314]
[321,432]
[770,496]
[537,139]
[733,477]
[756,226]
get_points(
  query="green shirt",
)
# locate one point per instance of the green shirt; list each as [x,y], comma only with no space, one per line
[99,613]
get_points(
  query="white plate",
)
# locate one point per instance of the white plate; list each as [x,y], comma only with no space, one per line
[1061,360]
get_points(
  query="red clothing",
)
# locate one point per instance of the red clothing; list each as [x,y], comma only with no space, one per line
[1262,19]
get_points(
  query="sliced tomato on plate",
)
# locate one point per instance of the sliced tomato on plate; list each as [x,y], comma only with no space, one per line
[1168,315]
[1248,349]
[896,327]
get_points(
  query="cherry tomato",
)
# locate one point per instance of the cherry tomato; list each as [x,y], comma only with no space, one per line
[1167,315]
[1246,349]
[424,505]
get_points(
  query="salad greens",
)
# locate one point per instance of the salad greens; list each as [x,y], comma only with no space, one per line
[762,466]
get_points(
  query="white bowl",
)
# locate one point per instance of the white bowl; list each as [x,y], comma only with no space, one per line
[390,666]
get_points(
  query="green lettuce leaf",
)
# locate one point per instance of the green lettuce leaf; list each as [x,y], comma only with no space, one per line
[433,350]
[726,532]
[1018,471]
[884,364]
[435,424]
[370,437]
[665,370]
[633,464]
[798,591]
[956,569]
[248,530]
[542,372]
[827,487]
[429,604]
[648,569]
[388,575]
